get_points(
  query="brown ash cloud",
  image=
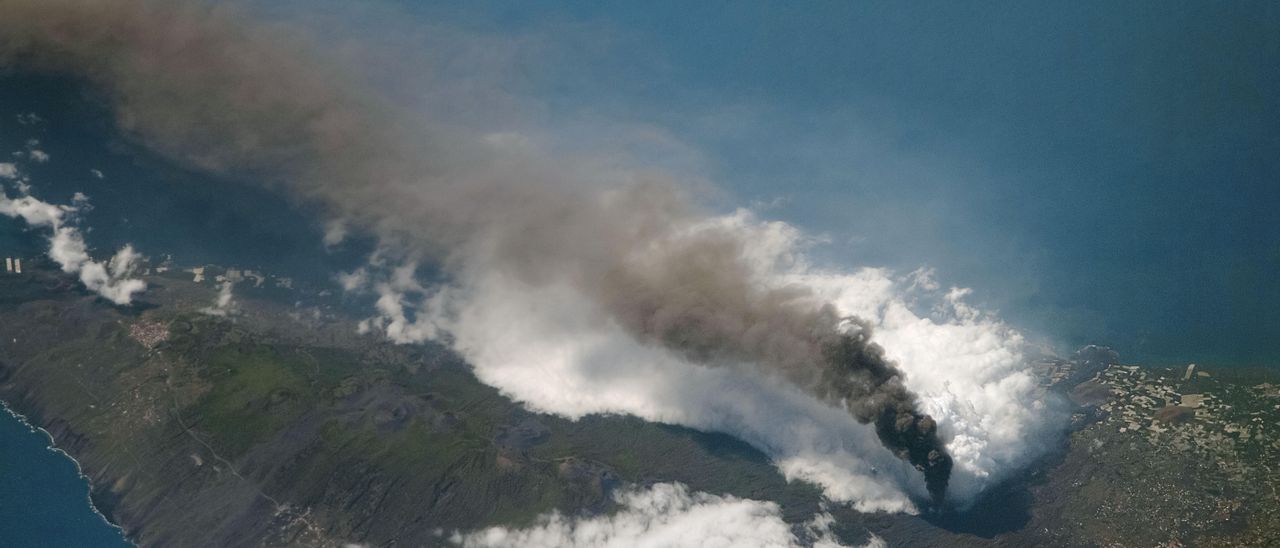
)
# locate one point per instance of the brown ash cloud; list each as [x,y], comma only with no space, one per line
[217,89]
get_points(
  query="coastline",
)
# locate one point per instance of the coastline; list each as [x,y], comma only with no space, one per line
[52,446]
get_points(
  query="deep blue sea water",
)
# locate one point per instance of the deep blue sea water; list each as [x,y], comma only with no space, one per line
[44,501]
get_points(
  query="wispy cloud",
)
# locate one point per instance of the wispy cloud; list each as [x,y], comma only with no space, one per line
[224,304]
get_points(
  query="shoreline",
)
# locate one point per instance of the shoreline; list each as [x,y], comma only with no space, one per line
[52,446]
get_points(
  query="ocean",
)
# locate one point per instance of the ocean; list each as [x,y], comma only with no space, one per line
[44,501]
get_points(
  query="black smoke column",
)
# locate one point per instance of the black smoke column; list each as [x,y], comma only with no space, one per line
[871,389]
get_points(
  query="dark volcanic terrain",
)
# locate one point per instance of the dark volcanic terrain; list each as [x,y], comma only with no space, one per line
[280,425]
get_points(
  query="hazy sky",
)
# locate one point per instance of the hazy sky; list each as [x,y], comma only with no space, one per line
[1096,172]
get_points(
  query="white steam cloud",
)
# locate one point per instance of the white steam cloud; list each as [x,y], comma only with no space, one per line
[556,351]
[113,280]
[665,515]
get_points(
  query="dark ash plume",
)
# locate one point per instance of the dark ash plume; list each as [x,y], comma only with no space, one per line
[855,363]
[206,86]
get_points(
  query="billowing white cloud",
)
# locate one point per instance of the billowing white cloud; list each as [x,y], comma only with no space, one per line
[968,370]
[556,351]
[67,248]
[33,211]
[8,170]
[665,515]
[112,280]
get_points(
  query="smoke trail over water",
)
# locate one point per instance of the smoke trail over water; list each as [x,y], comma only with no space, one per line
[204,85]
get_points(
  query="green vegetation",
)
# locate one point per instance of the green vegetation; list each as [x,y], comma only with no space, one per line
[256,392]
[258,427]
